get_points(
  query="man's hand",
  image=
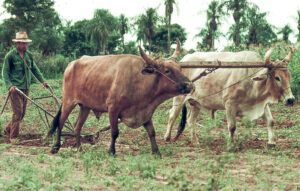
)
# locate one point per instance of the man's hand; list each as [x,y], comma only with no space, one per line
[12,89]
[45,84]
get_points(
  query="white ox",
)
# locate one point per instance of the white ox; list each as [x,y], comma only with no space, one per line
[241,92]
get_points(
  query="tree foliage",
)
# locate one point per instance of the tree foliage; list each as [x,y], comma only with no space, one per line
[259,30]
[147,24]
[169,8]
[103,26]
[76,42]
[27,14]
[123,27]
[214,14]
[298,25]
[159,43]
[285,32]
[105,33]
[238,9]
[39,20]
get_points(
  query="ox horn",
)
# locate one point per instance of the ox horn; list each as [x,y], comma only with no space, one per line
[148,60]
[176,53]
[289,57]
[268,56]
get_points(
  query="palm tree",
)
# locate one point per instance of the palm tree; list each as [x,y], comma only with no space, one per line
[101,26]
[214,14]
[146,25]
[168,14]
[238,9]
[298,26]
[259,30]
[286,31]
[205,34]
[124,26]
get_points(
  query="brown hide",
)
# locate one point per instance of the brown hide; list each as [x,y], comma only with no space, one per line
[116,81]
[128,87]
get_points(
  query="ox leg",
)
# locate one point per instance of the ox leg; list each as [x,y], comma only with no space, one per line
[174,112]
[191,122]
[83,114]
[66,110]
[270,123]
[213,113]
[230,115]
[113,118]
[151,133]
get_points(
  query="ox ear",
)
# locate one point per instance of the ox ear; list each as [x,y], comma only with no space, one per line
[149,61]
[260,77]
[289,57]
[176,53]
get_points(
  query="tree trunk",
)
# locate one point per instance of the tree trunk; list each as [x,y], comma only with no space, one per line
[169,35]
[149,46]
[237,35]
[123,43]
[212,47]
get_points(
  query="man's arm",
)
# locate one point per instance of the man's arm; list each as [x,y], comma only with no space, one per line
[6,71]
[36,71]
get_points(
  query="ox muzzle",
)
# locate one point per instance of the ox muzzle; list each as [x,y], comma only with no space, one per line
[186,87]
[289,99]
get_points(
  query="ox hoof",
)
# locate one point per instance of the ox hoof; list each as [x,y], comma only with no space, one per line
[55,150]
[167,139]
[112,152]
[157,155]
[78,148]
[271,145]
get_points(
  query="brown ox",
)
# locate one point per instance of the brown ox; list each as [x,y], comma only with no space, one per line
[241,92]
[128,87]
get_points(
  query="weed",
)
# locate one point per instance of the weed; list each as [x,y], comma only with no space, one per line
[147,170]
[127,182]
[178,180]
[113,167]
[168,150]
[42,158]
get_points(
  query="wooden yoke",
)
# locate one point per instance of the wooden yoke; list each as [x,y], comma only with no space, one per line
[220,64]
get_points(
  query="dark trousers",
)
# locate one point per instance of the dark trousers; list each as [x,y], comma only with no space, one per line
[18,104]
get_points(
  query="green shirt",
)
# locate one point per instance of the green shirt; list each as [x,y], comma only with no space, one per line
[16,73]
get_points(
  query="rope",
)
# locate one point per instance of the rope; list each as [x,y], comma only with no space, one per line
[164,75]
[232,84]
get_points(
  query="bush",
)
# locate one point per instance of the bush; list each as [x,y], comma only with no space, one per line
[51,66]
[294,68]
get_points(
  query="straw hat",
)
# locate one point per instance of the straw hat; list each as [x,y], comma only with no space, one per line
[21,37]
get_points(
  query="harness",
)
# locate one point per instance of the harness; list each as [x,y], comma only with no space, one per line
[164,75]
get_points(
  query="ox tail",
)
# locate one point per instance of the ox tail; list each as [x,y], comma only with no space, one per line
[55,123]
[182,122]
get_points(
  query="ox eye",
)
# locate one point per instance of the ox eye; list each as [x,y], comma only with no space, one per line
[277,78]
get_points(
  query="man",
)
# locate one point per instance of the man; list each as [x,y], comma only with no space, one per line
[18,71]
